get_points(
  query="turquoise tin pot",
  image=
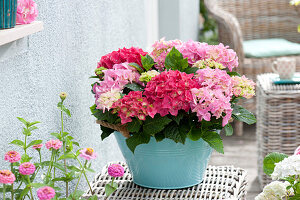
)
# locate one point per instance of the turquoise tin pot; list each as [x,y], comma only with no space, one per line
[8,13]
[166,164]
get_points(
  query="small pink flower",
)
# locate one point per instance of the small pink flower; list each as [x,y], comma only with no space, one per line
[26,168]
[12,156]
[46,193]
[88,153]
[26,11]
[297,151]
[55,144]
[115,170]
[37,146]
[7,177]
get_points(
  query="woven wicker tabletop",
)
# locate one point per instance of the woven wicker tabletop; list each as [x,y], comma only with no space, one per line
[224,182]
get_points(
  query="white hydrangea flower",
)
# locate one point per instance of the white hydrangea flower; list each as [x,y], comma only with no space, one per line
[261,196]
[276,189]
[290,166]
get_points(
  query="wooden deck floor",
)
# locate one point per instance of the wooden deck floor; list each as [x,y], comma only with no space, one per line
[241,152]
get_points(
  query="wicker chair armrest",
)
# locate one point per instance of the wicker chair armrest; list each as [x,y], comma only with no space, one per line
[232,25]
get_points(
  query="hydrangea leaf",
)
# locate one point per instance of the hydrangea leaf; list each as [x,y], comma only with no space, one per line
[134,87]
[173,132]
[270,160]
[228,129]
[214,140]
[175,61]
[137,67]
[106,132]
[137,139]
[233,74]
[159,136]
[133,126]
[243,115]
[195,134]
[147,62]
[106,116]
[154,125]
[191,70]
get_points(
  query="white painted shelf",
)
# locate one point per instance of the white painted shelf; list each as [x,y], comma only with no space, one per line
[20,31]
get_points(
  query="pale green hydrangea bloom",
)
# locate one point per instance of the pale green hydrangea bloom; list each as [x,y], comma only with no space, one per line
[147,76]
[202,64]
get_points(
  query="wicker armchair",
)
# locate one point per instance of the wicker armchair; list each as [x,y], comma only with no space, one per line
[240,20]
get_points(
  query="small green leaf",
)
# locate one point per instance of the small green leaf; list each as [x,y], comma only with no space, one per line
[243,115]
[90,170]
[110,189]
[147,62]
[57,135]
[175,61]
[94,197]
[65,134]
[191,70]
[106,132]
[76,143]
[24,192]
[26,123]
[133,126]
[67,156]
[63,108]
[134,87]
[34,142]
[270,160]
[233,74]
[136,66]
[214,140]
[18,143]
[33,123]
[37,185]
[137,139]
[58,166]
[195,134]
[228,129]
[73,168]
[154,125]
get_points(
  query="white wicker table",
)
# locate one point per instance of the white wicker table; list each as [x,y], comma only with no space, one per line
[224,182]
[278,120]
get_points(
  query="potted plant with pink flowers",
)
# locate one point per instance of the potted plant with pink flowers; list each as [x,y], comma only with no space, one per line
[166,108]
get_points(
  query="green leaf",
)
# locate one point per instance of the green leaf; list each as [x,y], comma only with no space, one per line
[191,70]
[34,142]
[57,135]
[18,143]
[94,197]
[154,125]
[159,136]
[214,140]
[73,168]
[110,189]
[133,126]
[63,108]
[90,170]
[270,160]
[233,74]
[228,129]
[137,139]
[26,132]
[33,123]
[106,116]
[26,123]
[175,61]
[134,87]
[24,192]
[297,196]
[147,62]
[32,128]
[178,117]
[65,134]
[58,166]
[37,185]
[76,195]
[67,156]
[172,132]
[137,67]
[243,115]
[194,134]
[106,132]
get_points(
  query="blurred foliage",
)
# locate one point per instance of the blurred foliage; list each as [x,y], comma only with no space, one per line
[209,31]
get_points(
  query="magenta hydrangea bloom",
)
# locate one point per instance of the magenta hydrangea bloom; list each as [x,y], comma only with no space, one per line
[115,170]
[26,168]
[37,146]
[297,151]
[55,144]
[7,177]
[12,156]
[46,193]
[170,92]
[133,105]
[88,153]
[26,11]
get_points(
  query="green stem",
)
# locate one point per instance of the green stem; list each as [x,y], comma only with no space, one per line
[30,188]
[40,156]
[12,185]
[77,183]
[4,188]
[19,186]
[25,144]
[85,173]
[49,171]
[64,147]
[112,181]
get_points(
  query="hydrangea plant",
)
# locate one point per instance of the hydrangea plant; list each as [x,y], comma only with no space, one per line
[179,90]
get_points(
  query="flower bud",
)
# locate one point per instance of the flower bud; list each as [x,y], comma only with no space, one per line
[99,70]
[63,96]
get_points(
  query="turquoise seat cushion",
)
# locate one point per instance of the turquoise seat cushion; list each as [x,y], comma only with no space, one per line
[270,48]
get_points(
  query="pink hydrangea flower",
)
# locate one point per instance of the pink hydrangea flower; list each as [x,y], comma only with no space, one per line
[46,193]
[133,105]
[243,87]
[55,144]
[297,151]
[170,92]
[12,156]
[7,177]
[37,146]
[131,55]
[115,170]
[161,49]
[26,11]
[26,168]
[222,54]
[88,153]
[214,95]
